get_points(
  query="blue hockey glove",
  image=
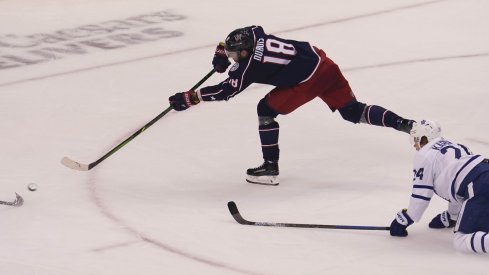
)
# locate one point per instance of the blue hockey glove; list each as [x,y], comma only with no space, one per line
[182,101]
[442,220]
[400,223]
[220,60]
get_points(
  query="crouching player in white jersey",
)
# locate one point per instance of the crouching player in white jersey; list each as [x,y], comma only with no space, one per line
[452,172]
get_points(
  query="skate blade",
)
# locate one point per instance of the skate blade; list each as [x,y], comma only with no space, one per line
[263,180]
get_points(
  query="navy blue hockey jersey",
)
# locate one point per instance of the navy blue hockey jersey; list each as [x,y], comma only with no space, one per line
[275,61]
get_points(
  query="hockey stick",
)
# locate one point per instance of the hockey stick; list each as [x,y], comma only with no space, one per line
[237,216]
[85,167]
[17,202]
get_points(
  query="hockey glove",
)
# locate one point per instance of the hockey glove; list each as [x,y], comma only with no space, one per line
[442,220]
[182,101]
[220,60]
[400,223]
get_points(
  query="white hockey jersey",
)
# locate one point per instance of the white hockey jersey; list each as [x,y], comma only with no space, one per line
[440,167]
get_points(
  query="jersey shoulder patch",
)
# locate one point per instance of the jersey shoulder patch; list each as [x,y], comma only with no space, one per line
[234,67]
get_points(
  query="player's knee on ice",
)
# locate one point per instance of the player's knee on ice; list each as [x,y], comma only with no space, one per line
[477,242]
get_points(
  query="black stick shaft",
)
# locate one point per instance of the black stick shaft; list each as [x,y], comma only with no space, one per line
[237,216]
[127,140]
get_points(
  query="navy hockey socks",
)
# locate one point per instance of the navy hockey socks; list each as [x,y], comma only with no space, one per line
[269,141]
[379,116]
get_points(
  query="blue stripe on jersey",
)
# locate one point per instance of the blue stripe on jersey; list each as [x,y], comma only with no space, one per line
[452,189]
[482,242]
[420,197]
[423,187]
[467,151]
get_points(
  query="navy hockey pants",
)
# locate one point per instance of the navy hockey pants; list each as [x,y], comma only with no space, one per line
[474,215]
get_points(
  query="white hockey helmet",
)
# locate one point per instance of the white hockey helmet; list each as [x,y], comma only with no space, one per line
[424,128]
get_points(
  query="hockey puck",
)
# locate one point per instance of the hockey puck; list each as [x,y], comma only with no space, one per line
[32,187]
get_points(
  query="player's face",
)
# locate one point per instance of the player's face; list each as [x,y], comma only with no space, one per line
[417,146]
[233,55]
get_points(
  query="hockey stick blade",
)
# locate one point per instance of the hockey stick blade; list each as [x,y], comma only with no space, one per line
[66,161]
[233,209]
[19,201]
[236,215]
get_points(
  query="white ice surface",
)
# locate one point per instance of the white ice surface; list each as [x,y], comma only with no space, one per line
[158,206]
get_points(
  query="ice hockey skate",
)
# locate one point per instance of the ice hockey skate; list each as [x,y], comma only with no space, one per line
[405,125]
[266,174]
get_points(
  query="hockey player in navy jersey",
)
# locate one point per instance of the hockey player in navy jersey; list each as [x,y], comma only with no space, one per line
[452,172]
[299,71]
